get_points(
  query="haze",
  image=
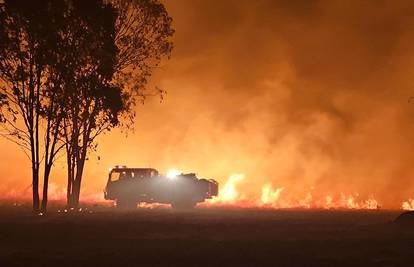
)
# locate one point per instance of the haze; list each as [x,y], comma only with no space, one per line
[311,96]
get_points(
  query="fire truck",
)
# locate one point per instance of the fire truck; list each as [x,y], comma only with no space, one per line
[131,186]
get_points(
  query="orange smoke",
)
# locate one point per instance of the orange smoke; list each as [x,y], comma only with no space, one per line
[315,115]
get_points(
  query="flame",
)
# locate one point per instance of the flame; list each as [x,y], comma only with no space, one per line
[372,204]
[274,197]
[408,205]
[228,194]
[270,196]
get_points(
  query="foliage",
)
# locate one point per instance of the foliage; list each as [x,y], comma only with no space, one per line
[105,95]
[29,85]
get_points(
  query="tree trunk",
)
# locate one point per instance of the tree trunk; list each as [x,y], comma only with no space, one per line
[35,189]
[37,146]
[76,185]
[74,198]
[35,176]
[45,188]
[69,190]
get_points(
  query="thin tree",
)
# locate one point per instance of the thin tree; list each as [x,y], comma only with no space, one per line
[142,37]
[29,87]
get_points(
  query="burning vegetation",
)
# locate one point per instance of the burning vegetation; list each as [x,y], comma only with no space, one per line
[273,197]
[408,205]
[320,122]
[232,195]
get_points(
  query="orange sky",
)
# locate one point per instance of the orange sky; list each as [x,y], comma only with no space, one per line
[311,96]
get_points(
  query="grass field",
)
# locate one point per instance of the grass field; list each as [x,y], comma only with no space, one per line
[102,236]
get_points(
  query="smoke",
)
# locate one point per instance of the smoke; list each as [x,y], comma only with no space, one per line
[308,96]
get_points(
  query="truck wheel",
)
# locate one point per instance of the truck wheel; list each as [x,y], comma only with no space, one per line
[183,205]
[126,204]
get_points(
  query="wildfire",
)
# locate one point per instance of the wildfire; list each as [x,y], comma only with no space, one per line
[228,194]
[269,197]
[408,205]
[229,189]
[273,197]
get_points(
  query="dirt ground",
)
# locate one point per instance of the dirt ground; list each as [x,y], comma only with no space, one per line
[101,236]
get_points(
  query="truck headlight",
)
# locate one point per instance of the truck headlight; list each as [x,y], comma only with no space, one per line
[172,174]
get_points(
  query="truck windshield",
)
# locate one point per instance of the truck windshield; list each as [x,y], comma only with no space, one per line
[119,175]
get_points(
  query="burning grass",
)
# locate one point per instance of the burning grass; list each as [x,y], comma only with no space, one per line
[273,197]
[270,197]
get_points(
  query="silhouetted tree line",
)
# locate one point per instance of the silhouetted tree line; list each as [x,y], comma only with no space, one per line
[71,70]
